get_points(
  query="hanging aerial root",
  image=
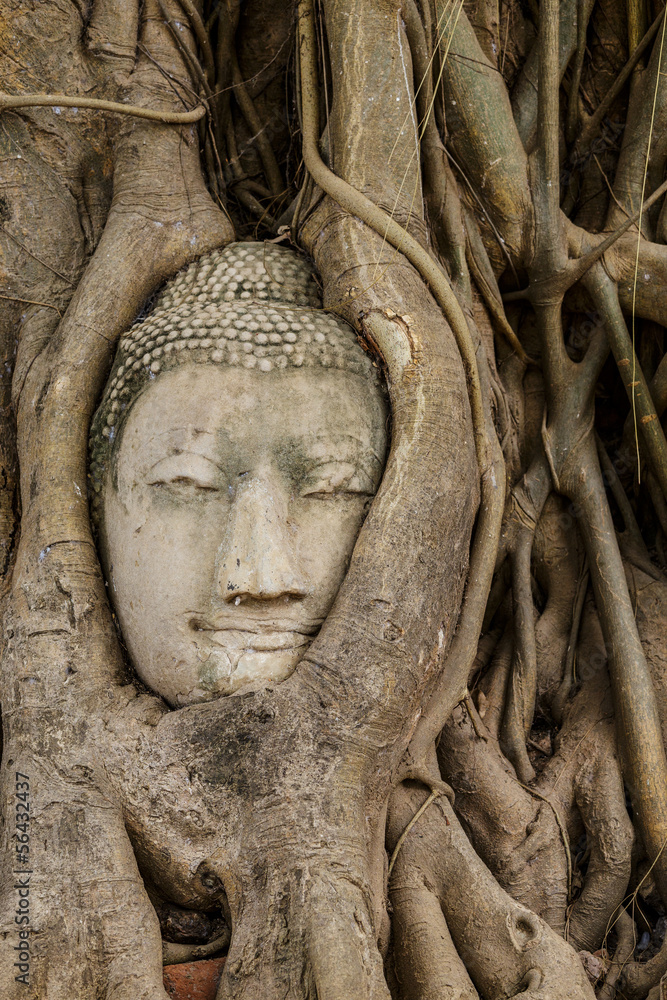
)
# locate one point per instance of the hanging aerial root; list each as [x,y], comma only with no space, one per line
[605,297]
[10,103]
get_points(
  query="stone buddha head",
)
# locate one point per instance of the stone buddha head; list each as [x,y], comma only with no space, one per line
[238,444]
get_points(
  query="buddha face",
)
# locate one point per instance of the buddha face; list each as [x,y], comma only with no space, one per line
[229,519]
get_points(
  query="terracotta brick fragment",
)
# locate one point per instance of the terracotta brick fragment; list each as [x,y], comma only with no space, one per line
[193,980]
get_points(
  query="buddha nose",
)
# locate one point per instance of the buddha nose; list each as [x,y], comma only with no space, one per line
[257,558]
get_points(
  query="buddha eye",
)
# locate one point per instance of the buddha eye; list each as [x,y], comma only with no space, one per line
[185,484]
[185,475]
[336,479]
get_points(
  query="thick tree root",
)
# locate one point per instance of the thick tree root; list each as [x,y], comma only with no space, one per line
[637,980]
[514,833]
[521,832]
[627,939]
[507,949]
[427,964]
[274,806]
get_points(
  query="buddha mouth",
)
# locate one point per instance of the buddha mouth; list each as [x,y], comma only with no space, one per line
[260,636]
[232,659]
[246,640]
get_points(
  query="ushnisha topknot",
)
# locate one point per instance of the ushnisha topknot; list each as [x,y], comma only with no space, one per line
[251,305]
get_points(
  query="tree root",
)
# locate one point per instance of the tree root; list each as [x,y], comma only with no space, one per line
[627,939]
[507,949]
[489,456]
[426,962]
[367,703]
[10,103]
[637,980]
[176,954]
[514,834]
[583,789]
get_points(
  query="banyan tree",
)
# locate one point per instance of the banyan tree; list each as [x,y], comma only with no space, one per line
[333,498]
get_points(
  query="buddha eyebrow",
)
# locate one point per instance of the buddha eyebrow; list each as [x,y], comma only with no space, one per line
[158,436]
[357,461]
[173,430]
[184,451]
[347,437]
[370,456]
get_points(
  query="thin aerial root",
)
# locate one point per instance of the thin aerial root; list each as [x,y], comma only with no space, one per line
[563,833]
[31,302]
[432,797]
[474,717]
[10,103]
